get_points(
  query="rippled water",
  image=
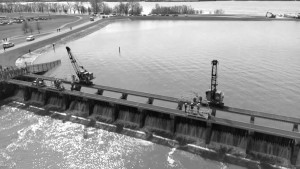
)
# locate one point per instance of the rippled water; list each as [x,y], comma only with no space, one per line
[259,61]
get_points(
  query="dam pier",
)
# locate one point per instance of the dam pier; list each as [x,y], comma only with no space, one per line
[237,142]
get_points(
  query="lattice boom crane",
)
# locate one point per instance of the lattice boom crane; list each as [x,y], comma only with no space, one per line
[84,76]
[214,96]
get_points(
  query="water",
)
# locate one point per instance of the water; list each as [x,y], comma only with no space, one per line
[259,70]
[29,141]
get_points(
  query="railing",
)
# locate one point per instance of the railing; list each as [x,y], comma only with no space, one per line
[251,114]
[43,67]
[11,72]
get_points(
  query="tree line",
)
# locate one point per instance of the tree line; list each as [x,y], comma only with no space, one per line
[182,9]
[95,6]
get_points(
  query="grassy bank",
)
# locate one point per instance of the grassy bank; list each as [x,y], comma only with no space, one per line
[56,21]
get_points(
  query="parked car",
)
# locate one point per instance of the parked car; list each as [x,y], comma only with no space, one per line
[91,18]
[8,44]
[30,38]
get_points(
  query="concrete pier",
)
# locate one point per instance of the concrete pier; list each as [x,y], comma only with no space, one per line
[236,141]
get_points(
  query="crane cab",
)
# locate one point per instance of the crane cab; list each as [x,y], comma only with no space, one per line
[215,98]
[85,77]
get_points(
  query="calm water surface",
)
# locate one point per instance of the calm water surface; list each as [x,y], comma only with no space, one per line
[259,61]
[259,70]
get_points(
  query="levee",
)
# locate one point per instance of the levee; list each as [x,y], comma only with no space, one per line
[241,143]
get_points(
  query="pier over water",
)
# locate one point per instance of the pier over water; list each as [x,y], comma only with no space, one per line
[236,140]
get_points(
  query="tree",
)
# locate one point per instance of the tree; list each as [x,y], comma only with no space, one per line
[106,9]
[77,7]
[135,8]
[25,26]
[89,10]
[30,29]
[96,5]
[38,26]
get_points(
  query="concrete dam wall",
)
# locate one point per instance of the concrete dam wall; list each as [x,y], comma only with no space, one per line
[209,138]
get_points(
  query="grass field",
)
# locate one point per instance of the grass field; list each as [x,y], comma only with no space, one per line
[56,21]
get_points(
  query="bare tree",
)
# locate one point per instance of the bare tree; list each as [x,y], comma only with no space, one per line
[38,26]
[96,5]
[25,26]
[77,7]
[30,29]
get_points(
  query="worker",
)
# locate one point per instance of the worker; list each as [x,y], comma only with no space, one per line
[194,99]
[200,99]
[192,106]
[185,106]
[198,107]
[73,82]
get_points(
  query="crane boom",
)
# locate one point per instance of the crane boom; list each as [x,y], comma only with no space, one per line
[214,96]
[214,77]
[84,76]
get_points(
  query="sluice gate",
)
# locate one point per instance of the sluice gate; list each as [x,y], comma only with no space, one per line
[245,141]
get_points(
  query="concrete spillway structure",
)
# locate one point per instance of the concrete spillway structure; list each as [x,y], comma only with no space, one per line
[241,143]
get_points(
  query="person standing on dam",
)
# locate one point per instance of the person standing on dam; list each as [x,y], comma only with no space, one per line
[198,107]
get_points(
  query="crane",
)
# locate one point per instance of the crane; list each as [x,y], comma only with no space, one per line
[214,96]
[83,75]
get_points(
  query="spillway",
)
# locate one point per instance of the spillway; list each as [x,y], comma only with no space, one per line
[235,141]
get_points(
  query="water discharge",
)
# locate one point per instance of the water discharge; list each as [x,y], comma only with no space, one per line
[61,145]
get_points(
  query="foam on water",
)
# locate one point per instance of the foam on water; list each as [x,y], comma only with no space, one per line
[50,142]
[170,159]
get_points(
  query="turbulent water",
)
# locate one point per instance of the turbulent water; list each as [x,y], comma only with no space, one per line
[29,141]
[259,70]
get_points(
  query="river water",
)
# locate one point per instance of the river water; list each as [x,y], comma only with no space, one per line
[258,70]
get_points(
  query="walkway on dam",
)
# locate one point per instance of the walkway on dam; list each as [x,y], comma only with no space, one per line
[244,112]
[293,134]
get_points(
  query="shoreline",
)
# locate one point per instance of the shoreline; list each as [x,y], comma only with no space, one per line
[10,57]
[17,54]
